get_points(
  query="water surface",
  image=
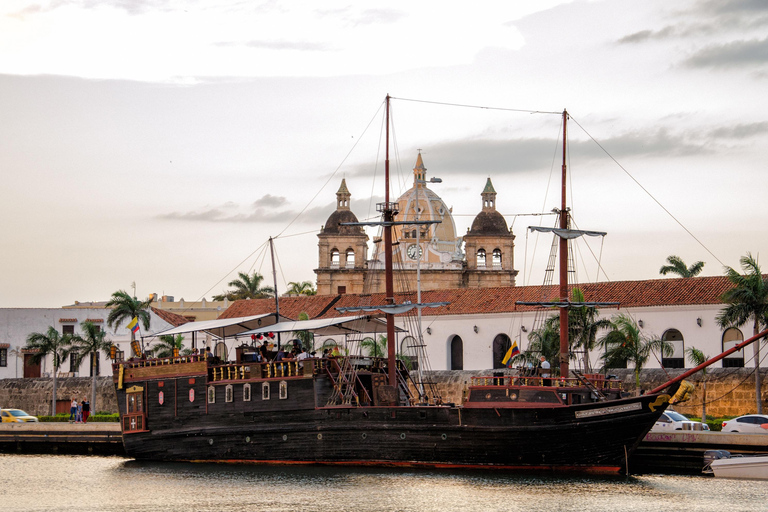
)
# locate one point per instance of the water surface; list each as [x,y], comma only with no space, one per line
[81,483]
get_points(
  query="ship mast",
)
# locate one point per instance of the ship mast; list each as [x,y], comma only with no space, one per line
[388,210]
[564,369]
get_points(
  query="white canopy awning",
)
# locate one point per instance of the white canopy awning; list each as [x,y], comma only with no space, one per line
[329,326]
[223,327]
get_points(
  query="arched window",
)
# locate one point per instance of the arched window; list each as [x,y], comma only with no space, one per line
[677,359]
[456,353]
[220,351]
[246,392]
[283,390]
[409,352]
[229,393]
[335,258]
[731,337]
[350,258]
[497,258]
[501,344]
[481,258]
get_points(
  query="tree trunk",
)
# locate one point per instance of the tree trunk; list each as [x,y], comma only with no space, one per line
[758,394]
[704,402]
[93,382]
[53,395]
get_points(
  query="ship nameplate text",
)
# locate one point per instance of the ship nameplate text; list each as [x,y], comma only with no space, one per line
[615,409]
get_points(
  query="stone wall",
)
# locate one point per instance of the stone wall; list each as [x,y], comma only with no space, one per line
[34,395]
[730,391]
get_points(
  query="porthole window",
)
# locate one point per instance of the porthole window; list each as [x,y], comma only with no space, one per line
[265,390]
[228,393]
[283,390]
[211,395]
[246,393]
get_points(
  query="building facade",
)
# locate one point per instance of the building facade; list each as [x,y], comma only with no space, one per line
[429,243]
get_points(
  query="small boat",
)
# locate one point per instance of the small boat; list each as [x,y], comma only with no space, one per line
[355,410]
[725,465]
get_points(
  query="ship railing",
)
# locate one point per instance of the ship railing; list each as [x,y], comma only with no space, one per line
[272,370]
[599,381]
[159,361]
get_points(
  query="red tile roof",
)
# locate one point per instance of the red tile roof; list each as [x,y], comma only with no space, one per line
[172,318]
[466,301]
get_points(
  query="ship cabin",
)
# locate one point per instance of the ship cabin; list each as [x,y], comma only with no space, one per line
[170,392]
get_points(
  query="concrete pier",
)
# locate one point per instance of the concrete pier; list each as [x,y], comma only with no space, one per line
[62,438]
[682,452]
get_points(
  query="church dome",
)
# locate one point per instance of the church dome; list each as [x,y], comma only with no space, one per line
[489,223]
[332,226]
[342,214]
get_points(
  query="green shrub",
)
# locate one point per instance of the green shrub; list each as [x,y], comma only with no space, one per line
[98,417]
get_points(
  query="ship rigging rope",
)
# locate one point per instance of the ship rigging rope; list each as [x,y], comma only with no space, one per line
[481,107]
[679,223]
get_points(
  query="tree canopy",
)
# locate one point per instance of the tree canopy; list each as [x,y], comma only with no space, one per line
[626,343]
[52,343]
[302,288]
[675,265]
[246,286]
[747,302]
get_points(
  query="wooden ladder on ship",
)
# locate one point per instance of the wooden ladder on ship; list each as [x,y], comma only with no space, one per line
[589,384]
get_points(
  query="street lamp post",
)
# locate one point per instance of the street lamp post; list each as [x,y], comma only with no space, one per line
[419,253]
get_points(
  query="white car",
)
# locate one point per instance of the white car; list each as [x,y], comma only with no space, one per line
[672,420]
[756,423]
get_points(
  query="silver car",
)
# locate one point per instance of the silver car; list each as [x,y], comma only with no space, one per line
[673,420]
[751,423]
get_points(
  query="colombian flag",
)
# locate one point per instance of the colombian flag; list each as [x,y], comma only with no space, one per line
[134,325]
[512,352]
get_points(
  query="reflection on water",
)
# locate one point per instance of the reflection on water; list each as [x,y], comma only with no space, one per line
[29,482]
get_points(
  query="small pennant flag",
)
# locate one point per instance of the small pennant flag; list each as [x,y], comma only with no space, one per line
[512,352]
[134,325]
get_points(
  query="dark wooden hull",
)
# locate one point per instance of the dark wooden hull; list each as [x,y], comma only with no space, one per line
[299,428]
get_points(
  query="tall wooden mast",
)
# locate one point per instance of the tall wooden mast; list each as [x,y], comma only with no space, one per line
[389,210]
[564,369]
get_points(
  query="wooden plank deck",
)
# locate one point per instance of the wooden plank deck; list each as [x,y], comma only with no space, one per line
[64,438]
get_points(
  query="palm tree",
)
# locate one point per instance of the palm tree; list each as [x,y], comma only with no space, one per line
[544,341]
[625,343]
[302,288]
[375,348]
[247,287]
[583,325]
[167,343]
[51,343]
[697,357]
[747,301]
[677,266]
[93,341]
[306,338]
[124,307]
[16,352]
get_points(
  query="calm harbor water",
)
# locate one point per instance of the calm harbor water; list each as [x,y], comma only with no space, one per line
[48,482]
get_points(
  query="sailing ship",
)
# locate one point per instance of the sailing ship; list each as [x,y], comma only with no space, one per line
[355,410]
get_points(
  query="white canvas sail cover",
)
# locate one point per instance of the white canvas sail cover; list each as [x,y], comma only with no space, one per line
[568,234]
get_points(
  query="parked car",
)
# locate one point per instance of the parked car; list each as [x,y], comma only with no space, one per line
[673,420]
[756,423]
[15,416]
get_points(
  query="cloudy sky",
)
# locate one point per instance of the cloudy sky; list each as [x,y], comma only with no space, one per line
[162,142]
